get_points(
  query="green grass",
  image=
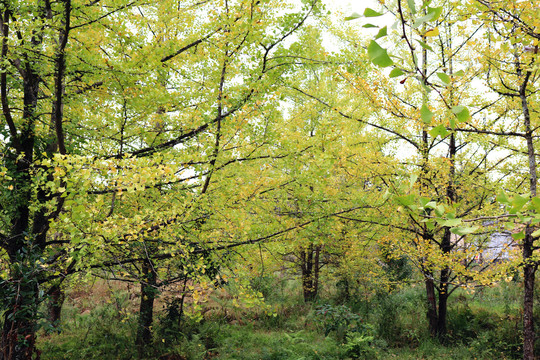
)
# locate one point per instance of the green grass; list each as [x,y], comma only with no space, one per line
[247,343]
[431,350]
[484,325]
[104,332]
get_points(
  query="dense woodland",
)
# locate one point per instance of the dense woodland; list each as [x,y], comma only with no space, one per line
[267,179]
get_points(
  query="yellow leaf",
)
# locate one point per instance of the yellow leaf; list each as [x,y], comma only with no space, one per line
[433,32]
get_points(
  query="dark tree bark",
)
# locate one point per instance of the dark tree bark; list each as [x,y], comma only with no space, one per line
[431,306]
[310,266]
[529,270]
[146,307]
[446,247]
[21,292]
[19,331]
[529,266]
[56,300]
[26,240]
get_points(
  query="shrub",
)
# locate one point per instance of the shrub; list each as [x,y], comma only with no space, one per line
[359,346]
[341,320]
[106,332]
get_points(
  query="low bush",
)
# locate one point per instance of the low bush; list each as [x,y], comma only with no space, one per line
[106,332]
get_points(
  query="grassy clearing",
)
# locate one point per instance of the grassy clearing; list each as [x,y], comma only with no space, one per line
[99,322]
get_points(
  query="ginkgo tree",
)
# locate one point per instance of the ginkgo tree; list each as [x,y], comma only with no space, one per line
[335,174]
[116,116]
[510,57]
[426,101]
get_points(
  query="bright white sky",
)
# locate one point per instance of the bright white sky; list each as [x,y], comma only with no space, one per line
[343,8]
[347,7]
[341,4]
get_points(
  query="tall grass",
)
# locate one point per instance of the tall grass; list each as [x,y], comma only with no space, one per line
[101,324]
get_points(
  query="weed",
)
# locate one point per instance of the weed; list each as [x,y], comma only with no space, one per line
[359,346]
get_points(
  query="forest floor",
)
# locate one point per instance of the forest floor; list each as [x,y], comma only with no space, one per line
[99,322]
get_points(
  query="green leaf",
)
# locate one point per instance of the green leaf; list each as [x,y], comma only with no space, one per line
[519,236]
[353,16]
[424,200]
[424,45]
[426,88]
[439,130]
[436,11]
[78,209]
[375,50]
[432,14]
[412,180]
[439,210]
[378,55]
[431,205]
[444,78]
[406,200]
[509,226]
[450,222]
[461,231]
[426,114]
[371,13]
[535,204]
[518,202]
[459,73]
[383,32]
[536,233]
[367,26]
[464,115]
[461,112]
[458,109]
[411,6]
[383,61]
[502,198]
[396,72]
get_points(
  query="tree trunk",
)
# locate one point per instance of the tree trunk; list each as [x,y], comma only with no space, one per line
[443,308]
[20,293]
[316,268]
[56,300]
[18,340]
[431,306]
[146,308]
[446,247]
[21,297]
[437,314]
[310,272]
[529,270]
[529,265]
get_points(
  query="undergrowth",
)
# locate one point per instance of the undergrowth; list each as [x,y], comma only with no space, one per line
[484,325]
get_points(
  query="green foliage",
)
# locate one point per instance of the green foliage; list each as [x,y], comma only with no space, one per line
[487,333]
[359,346]
[246,343]
[20,297]
[106,332]
[195,341]
[388,321]
[484,325]
[378,55]
[176,132]
[340,320]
